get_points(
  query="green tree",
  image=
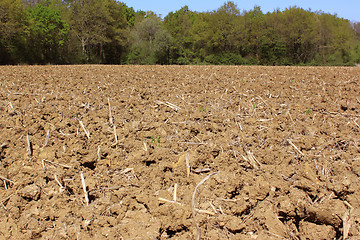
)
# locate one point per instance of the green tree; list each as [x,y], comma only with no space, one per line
[179,24]
[47,34]
[224,35]
[121,19]
[336,41]
[89,21]
[12,24]
[254,30]
[223,25]
[151,42]
[273,49]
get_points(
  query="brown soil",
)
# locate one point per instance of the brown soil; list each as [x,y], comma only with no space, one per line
[279,147]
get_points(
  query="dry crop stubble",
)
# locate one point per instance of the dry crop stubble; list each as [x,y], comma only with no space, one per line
[126,148]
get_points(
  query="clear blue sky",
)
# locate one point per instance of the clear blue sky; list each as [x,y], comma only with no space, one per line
[349,9]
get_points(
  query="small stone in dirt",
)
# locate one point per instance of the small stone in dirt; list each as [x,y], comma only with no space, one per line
[30,192]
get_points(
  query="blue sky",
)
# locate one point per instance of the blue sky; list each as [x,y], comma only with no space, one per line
[349,9]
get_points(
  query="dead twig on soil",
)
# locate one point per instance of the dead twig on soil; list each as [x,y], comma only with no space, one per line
[358,100]
[145,147]
[346,220]
[47,138]
[175,193]
[56,164]
[99,153]
[83,127]
[198,231]
[296,148]
[62,188]
[188,169]
[84,188]
[356,124]
[237,123]
[115,134]
[111,121]
[4,145]
[29,148]
[194,143]
[179,203]
[6,179]
[342,114]
[170,105]
[168,201]
[201,170]
[252,160]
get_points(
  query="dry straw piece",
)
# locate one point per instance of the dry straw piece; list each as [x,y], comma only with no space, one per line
[83,127]
[29,148]
[115,135]
[6,179]
[250,158]
[55,164]
[170,105]
[296,148]
[111,120]
[47,138]
[99,153]
[198,231]
[187,164]
[84,188]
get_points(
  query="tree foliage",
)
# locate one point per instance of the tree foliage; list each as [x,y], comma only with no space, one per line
[47,33]
[12,24]
[108,31]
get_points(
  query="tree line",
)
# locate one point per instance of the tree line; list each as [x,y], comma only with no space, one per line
[110,32]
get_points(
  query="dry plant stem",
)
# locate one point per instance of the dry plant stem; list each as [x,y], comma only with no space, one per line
[116,137]
[288,113]
[347,220]
[170,105]
[252,160]
[29,149]
[99,153]
[6,179]
[194,143]
[292,144]
[43,164]
[173,106]
[196,209]
[57,180]
[126,170]
[205,212]
[346,224]
[47,138]
[83,127]
[57,164]
[84,188]
[201,170]
[187,165]
[198,231]
[111,121]
[358,100]
[168,201]
[175,192]
[238,124]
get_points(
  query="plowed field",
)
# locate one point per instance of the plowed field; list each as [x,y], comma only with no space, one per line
[179,152]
